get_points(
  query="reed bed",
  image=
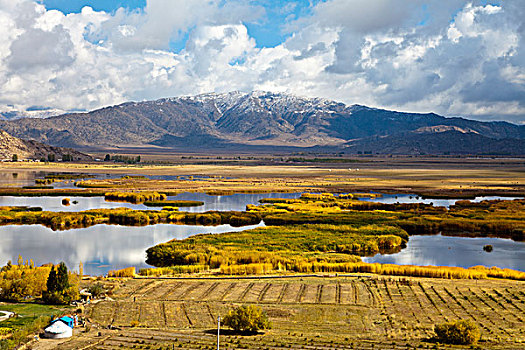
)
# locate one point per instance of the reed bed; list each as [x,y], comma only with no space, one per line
[288,246]
[134,197]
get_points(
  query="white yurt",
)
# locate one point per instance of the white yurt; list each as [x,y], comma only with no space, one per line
[58,330]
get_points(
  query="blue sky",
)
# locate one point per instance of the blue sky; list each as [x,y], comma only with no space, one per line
[70,6]
[454,57]
[268,31]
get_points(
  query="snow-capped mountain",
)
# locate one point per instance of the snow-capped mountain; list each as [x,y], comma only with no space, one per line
[255,118]
[11,113]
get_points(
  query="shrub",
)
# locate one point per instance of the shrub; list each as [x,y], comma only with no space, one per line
[96,290]
[458,332]
[248,319]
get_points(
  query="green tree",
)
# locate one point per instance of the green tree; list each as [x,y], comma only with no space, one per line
[14,158]
[249,319]
[59,291]
[62,277]
[52,283]
[458,332]
[107,158]
[51,157]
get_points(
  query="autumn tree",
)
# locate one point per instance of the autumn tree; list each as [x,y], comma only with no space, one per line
[22,281]
[59,290]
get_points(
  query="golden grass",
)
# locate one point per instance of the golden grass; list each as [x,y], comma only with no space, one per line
[450,177]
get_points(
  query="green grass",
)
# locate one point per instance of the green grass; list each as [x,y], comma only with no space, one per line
[496,218]
[27,312]
[31,318]
[276,245]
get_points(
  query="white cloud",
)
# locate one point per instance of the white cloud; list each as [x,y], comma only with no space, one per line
[453,57]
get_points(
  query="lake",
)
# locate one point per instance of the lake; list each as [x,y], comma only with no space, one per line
[100,248]
[441,250]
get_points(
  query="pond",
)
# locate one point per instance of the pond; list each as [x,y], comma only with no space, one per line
[441,250]
[100,248]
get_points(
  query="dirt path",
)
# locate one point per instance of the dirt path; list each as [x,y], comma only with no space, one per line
[4,315]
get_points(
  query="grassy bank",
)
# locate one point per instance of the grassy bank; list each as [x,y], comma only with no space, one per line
[30,318]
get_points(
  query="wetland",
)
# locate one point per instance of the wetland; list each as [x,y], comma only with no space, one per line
[374,246]
[226,197]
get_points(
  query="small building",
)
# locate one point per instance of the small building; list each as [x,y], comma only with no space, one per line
[67,320]
[59,329]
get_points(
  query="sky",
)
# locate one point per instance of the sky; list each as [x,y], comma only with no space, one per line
[451,57]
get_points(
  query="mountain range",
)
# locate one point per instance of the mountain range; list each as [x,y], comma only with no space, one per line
[266,120]
[30,149]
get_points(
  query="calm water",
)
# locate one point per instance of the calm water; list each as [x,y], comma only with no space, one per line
[22,178]
[106,247]
[457,251]
[236,202]
[412,198]
[100,248]
[19,178]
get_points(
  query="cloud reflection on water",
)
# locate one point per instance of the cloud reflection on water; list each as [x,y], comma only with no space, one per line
[457,251]
[96,246]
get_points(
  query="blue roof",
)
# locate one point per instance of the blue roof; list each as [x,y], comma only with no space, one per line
[65,319]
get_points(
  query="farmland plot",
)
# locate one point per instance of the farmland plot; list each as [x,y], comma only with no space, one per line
[309,313]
